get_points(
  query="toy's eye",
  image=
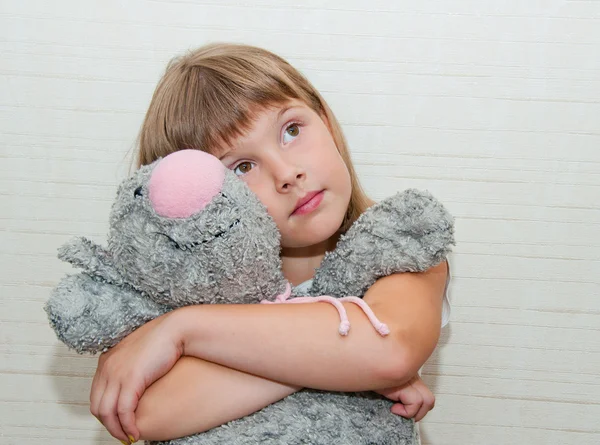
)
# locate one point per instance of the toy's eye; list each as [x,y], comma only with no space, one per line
[138,191]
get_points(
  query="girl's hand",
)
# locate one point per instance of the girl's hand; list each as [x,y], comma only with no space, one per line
[414,397]
[125,371]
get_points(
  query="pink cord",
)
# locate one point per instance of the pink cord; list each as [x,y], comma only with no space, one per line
[344,328]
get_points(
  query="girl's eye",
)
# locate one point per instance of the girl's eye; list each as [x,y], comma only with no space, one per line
[291,133]
[242,168]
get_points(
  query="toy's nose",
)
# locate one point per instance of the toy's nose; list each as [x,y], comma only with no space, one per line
[184,182]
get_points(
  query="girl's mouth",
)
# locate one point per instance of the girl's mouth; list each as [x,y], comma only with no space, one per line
[309,202]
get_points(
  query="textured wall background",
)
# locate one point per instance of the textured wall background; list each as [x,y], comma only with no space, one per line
[494,106]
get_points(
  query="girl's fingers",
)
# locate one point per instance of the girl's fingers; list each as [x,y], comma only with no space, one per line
[98,386]
[423,410]
[410,402]
[403,410]
[108,412]
[127,404]
[119,381]
[428,402]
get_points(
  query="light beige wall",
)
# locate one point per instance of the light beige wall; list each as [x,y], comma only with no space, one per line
[494,106]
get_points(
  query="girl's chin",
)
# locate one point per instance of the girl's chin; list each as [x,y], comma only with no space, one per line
[320,229]
[321,238]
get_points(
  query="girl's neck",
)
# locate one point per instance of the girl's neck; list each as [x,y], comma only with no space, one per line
[299,264]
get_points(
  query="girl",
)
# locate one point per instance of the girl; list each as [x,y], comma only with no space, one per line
[216,363]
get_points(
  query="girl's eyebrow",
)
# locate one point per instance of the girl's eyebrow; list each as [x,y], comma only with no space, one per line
[285,110]
[225,152]
[280,113]
[223,155]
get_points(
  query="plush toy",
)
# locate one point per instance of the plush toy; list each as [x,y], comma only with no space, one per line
[185,230]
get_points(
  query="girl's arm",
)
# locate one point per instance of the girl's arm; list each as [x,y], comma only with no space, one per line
[196,396]
[299,344]
[293,344]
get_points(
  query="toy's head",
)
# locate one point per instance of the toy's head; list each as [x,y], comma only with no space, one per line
[185,230]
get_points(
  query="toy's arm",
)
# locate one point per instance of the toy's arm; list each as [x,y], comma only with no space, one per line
[196,396]
[92,258]
[88,315]
[408,232]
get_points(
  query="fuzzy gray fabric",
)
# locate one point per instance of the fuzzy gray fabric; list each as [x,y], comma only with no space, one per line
[229,253]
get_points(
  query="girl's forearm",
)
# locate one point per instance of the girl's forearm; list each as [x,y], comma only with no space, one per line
[298,344]
[196,396]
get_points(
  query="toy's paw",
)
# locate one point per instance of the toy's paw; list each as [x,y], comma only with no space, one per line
[92,316]
[412,212]
[79,251]
[92,258]
[408,232]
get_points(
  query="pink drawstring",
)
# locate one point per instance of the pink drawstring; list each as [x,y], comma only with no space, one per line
[344,327]
[282,297]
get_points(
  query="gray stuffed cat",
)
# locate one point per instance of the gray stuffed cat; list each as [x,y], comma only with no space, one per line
[184,230]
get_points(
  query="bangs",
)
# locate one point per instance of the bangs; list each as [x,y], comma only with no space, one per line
[226,111]
[211,97]
[213,110]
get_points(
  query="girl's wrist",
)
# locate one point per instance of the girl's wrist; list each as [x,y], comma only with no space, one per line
[184,324]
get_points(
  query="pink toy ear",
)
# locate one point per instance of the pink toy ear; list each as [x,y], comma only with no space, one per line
[184,182]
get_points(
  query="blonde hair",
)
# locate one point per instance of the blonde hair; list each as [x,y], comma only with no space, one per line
[211,95]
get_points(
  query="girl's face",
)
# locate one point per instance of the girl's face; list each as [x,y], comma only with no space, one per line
[290,161]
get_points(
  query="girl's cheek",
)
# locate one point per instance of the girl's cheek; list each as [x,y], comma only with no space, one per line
[258,188]
[250,178]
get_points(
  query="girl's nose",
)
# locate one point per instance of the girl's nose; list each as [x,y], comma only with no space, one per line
[288,183]
[184,182]
[287,175]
